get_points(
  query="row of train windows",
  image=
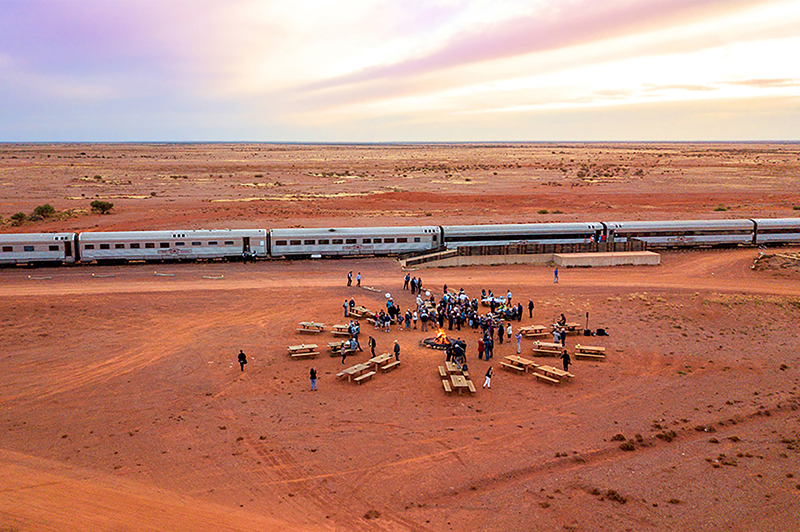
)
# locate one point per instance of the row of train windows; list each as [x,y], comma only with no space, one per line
[10,249]
[151,245]
[327,242]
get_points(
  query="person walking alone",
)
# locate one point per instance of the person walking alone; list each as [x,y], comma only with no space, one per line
[530,308]
[565,360]
[555,275]
[242,359]
[358,279]
[350,278]
[313,375]
[518,337]
[396,350]
[488,382]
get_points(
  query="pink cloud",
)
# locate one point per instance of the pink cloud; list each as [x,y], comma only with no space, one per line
[569,24]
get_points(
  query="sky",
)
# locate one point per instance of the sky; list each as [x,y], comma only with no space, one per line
[398,71]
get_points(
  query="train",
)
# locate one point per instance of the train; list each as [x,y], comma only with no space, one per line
[237,244]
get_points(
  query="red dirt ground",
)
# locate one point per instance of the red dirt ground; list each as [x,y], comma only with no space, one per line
[123,407]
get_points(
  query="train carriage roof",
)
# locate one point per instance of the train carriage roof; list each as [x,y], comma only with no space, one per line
[36,237]
[681,225]
[456,231]
[319,232]
[161,235]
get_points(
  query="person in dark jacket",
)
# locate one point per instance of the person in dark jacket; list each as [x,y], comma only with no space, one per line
[565,360]
[396,350]
[313,375]
[242,359]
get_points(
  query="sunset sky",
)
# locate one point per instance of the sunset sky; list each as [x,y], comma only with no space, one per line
[411,70]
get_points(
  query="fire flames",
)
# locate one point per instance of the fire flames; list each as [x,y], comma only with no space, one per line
[441,337]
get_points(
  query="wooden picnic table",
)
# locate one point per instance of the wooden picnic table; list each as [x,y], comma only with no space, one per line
[303,350]
[340,330]
[556,373]
[460,383]
[452,368]
[310,326]
[359,311]
[380,359]
[546,345]
[572,326]
[522,362]
[354,371]
[591,349]
[532,328]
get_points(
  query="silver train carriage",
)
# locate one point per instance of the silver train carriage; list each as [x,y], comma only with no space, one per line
[353,241]
[777,231]
[684,233]
[503,234]
[38,248]
[157,246]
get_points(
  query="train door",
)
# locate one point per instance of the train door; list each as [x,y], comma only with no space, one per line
[246,244]
[68,251]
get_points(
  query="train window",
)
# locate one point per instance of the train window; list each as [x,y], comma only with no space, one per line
[135,245]
[27,248]
[119,246]
[416,239]
[388,240]
[88,246]
[308,242]
[435,238]
[366,241]
[324,242]
[338,241]
[280,242]
[229,242]
[294,242]
[377,240]
[149,245]
[8,249]
[180,244]
[197,243]
[105,246]
[402,240]
[53,248]
[212,243]
[164,245]
[351,241]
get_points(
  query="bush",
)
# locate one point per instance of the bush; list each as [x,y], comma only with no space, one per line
[18,218]
[45,211]
[543,211]
[101,207]
[721,208]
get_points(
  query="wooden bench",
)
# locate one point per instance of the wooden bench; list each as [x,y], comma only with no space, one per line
[512,366]
[442,372]
[340,330]
[311,327]
[590,356]
[341,374]
[546,352]
[470,387]
[364,376]
[390,365]
[545,378]
[447,387]
[310,354]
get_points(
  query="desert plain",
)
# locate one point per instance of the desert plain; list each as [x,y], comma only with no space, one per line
[123,407]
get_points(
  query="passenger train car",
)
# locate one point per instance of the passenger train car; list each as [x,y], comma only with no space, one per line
[487,235]
[38,248]
[684,233]
[232,244]
[172,245]
[777,231]
[353,241]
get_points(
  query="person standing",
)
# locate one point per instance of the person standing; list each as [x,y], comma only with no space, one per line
[509,332]
[345,308]
[565,360]
[488,382]
[480,348]
[518,337]
[350,278]
[313,375]
[530,308]
[358,279]
[555,275]
[371,343]
[406,280]
[396,350]
[500,332]
[242,359]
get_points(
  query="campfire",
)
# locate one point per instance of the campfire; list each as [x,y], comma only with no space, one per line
[440,341]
